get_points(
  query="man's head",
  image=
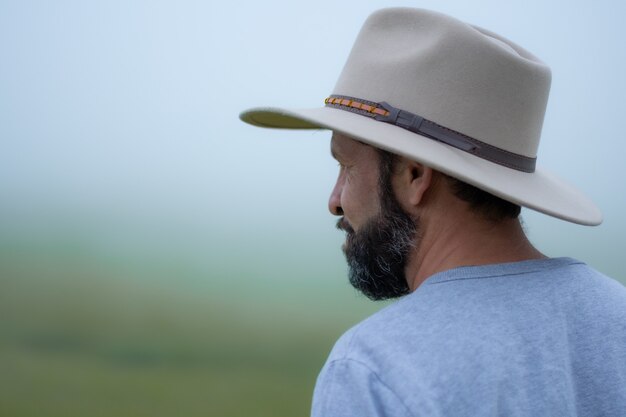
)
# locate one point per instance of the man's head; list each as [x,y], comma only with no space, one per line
[379,196]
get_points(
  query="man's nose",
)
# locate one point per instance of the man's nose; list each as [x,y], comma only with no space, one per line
[334,202]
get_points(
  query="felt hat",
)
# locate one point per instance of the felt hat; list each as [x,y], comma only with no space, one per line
[453,96]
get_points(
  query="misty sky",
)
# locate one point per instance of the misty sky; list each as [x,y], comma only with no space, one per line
[123,115]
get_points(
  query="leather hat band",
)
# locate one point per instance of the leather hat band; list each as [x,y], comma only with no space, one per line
[386,113]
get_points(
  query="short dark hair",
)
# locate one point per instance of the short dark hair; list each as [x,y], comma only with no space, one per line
[489,206]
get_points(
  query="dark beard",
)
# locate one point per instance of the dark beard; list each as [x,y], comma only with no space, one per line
[378,253]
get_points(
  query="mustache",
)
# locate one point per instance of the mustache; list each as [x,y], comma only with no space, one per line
[342,224]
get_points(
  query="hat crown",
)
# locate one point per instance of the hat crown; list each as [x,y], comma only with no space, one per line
[460,76]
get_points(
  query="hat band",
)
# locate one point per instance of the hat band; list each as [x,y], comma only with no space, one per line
[412,122]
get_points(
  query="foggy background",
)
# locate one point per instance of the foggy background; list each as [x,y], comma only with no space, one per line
[160,257]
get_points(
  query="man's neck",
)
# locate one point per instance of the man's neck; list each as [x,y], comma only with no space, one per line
[467,242]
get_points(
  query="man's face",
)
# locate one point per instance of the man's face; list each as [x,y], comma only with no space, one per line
[355,195]
[379,234]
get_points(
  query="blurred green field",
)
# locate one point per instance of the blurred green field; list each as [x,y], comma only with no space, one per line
[83,335]
[94,325]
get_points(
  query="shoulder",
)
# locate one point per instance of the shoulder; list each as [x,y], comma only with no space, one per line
[468,306]
[373,366]
[466,333]
[595,302]
[360,377]
[382,324]
[380,337]
[348,387]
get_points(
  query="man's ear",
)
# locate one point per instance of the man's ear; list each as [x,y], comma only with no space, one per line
[415,179]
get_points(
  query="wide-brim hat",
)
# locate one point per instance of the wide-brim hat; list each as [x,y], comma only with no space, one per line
[453,96]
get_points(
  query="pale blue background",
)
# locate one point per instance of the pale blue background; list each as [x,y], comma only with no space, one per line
[119,131]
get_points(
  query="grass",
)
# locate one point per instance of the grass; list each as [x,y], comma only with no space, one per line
[83,336]
[90,331]
[53,384]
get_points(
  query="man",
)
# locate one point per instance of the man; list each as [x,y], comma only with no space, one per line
[436,126]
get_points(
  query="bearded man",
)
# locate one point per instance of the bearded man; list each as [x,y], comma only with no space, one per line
[436,125]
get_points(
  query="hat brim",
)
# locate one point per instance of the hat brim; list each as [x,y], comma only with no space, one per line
[540,190]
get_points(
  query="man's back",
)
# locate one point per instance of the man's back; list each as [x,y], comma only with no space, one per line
[543,337]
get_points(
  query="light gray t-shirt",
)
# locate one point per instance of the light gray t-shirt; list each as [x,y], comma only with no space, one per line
[533,338]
